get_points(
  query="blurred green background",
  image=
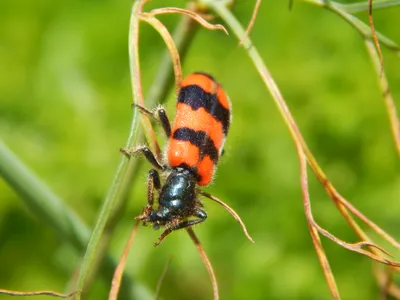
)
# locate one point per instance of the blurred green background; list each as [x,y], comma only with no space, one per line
[65,99]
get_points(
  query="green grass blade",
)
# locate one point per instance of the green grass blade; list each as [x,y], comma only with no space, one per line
[362,7]
[42,202]
[51,210]
[362,28]
[114,191]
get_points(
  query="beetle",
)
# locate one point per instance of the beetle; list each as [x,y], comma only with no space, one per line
[195,145]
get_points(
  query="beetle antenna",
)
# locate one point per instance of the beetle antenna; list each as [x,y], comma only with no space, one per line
[230,210]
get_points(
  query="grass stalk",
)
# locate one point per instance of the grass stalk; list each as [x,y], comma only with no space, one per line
[112,196]
[52,211]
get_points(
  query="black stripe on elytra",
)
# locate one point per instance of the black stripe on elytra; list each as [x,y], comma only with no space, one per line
[196,97]
[200,139]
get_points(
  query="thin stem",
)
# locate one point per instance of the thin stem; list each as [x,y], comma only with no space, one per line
[37,293]
[194,15]
[162,277]
[206,261]
[116,281]
[360,7]
[387,95]
[169,41]
[330,279]
[374,36]
[253,20]
[360,26]
[112,196]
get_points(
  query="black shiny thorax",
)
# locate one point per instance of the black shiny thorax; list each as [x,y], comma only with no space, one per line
[178,190]
[177,197]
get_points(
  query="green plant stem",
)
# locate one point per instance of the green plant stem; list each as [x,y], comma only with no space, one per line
[363,6]
[41,201]
[112,196]
[361,27]
[53,211]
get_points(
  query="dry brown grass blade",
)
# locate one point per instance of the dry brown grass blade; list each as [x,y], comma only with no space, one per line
[340,202]
[136,81]
[356,247]
[236,27]
[162,277]
[331,191]
[326,268]
[169,41]
[252,21]
[367,221]
[330,279]
[189,13]
[387,95]
[231,211]
[116,281]
[374,35]
[37,293]
[206,261]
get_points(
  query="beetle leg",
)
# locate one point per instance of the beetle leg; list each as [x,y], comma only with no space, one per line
[159,114]
[153,183]
[199,213]
[146,152]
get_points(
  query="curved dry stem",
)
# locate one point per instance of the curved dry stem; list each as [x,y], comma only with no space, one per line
[252,21]
[136,79]
[191,14]
[374,35]
[330,279]
[236,27]
[298,138]
[326,268]
[206,261]
[162,277]
[342,204]
[116,281]
[357,247]
[37,293]
[367,221]
[231,211]
[387,95]
[169,41]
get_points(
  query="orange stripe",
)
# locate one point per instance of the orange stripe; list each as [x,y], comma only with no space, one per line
[205,170]
[199,120]
[207,84]
[182,152]
[223,98]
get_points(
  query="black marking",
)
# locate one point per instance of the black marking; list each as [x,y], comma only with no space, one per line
[200,139]
[162,115]
[193,170]
[196,97]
